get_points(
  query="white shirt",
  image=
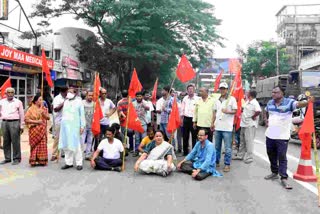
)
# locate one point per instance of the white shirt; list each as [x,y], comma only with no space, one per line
[151,109]
[159,104]
[249,109]
[111,150]
[188,105]
[280,119]
[58,100]
[224,122]
[106,106]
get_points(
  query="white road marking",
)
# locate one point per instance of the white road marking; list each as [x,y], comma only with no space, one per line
[308,186]
[293,158]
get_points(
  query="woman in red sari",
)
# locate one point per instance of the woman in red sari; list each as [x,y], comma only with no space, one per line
[36,118]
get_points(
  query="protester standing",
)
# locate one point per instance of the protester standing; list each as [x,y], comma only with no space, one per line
[12,114]
[36,118]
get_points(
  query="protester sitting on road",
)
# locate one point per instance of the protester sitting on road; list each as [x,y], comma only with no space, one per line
[157,157]
[201,161]
[112,149]
[146,140]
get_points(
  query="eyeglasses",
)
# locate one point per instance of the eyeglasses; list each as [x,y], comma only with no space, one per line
[201,135]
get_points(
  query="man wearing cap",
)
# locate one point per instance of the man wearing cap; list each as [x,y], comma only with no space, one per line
[12,114]
[187,111]
[224,110]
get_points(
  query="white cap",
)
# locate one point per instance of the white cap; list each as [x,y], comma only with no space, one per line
[223,85]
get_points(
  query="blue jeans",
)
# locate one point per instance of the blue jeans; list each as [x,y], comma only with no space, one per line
[163,127]
[87,137]
[227,138]
[139,136]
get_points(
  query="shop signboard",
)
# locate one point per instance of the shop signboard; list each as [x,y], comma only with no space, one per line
[70,63]
[22,57]
[6,66]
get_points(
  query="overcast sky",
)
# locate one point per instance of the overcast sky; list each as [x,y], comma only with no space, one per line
[243,21]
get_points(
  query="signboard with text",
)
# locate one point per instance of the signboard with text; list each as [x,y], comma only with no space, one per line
[70,63]
[22,57]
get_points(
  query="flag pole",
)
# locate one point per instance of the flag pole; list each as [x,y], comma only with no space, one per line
[126,134]
[317,165]
[175,76]
[42,84]
[94,105]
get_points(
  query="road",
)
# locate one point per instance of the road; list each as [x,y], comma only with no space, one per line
[242,190]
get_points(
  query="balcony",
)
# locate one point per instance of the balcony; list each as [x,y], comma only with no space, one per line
[310,61]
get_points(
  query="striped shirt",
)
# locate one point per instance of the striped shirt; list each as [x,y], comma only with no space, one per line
[280,118]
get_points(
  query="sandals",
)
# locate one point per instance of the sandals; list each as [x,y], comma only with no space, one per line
[285,184]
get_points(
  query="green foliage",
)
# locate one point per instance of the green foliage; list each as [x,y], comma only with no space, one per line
[260,59]
[147,34]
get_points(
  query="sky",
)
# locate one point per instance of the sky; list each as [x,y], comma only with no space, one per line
[243,21]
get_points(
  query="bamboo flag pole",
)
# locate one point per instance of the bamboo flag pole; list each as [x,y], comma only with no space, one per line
[317,165]
[126,133]
[42,85]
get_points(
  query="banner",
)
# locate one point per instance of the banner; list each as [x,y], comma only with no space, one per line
[22,57]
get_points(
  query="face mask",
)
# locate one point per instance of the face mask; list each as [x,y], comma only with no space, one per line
[70,95]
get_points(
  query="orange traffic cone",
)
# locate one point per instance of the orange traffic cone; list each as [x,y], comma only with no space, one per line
[305,171]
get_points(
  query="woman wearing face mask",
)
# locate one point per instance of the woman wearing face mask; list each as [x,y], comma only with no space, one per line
[157,157]
[36,117]
[71,128]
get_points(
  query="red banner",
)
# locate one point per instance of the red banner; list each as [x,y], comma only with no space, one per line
[22,57]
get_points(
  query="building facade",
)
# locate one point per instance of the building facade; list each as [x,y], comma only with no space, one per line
[298,29]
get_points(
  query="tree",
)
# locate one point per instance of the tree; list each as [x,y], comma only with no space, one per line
[260,59]
[146,34]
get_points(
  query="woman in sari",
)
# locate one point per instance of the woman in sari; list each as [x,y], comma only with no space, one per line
[36,118]
[157,157]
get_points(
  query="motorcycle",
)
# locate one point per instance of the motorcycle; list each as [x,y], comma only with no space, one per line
[297,120]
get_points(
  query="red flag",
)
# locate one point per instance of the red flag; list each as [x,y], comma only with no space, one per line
[97,116]
[237,92]
[217,82]
[96,90]
[135,84]
[154,92]
[6,84]
[133,120]
[234,66]
[305,132]
[174,118]
[184,70]
[45,69]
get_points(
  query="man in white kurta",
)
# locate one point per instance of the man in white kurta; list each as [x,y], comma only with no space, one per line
[71,128]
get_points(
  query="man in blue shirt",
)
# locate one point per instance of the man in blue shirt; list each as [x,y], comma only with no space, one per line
[278,118]
[201,162]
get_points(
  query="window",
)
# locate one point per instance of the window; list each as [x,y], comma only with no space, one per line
[57,54]
[27,50]
[47,53]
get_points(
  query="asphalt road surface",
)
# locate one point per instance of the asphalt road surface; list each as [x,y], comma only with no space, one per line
[242,190]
